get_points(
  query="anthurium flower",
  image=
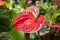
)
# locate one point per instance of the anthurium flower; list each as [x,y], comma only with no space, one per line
[26,21]
[2,3]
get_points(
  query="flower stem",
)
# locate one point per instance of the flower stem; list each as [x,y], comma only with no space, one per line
[27,36]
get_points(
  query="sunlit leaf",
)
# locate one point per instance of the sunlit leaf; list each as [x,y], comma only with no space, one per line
[9,4]
[15,35]
[17,9]
[54,16]
[22,3]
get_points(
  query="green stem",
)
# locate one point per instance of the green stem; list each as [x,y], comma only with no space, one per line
[27,36]
[38,36]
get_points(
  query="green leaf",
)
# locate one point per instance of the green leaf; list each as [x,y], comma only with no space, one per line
[48,17]
[46,6]
[9,4]
[4,20]
[17,9]
[16,35]
[54,16]
[15,12]
[32,35]
[44,30]
[22,3]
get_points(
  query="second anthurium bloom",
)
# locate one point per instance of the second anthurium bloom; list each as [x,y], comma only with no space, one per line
[28,21]
[2,2]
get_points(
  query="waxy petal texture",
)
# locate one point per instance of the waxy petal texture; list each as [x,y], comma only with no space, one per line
[39,23]
[26,21]
[23,22]
[34,10]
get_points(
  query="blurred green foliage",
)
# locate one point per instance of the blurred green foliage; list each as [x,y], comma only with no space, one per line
[4,20]
[9,12]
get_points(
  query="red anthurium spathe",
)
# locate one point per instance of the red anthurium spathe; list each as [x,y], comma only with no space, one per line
[39,23]
[2,3]
[33,10]
[26,21]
